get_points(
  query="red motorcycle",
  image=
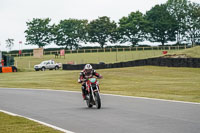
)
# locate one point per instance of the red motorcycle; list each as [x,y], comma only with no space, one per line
[93,97]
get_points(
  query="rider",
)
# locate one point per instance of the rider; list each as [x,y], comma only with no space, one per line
[85,74]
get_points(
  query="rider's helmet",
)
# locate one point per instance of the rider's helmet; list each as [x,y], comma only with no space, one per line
[88,68]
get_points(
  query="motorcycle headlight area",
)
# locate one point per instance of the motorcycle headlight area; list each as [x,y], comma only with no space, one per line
[93,85]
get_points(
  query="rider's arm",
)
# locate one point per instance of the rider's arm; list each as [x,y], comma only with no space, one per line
[80,80]
[97,74]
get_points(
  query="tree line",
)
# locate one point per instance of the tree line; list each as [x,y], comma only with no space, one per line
[175,20]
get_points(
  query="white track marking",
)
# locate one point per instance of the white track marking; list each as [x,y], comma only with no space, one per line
[43,123]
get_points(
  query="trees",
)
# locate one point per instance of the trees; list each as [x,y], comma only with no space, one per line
[131,28]
[70,32]
[162,26]
[38,32]
[176,20]
[193,22]
[101,30]
[179,9]
[10,43]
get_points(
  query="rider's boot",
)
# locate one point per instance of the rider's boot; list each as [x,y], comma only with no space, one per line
[83,93]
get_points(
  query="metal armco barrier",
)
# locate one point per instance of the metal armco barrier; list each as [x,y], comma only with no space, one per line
[169,62]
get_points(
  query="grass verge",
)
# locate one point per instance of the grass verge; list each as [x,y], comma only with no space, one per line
[15,124]
[156,82]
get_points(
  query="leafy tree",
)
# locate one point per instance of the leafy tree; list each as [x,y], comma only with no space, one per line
[179,9]
[38,32]
[10,43]
[162,25]
[131,28]
[70,32]
[193,22]
[101,31]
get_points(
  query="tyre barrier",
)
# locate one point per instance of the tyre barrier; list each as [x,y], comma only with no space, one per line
[169,62]
[8,69]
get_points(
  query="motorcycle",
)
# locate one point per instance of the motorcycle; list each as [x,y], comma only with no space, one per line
[93,97]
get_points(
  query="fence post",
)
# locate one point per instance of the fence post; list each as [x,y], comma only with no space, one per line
[110,50]
[104,50]
[185,46]
[143,48]
[123,49]
[97,50]
[84,50]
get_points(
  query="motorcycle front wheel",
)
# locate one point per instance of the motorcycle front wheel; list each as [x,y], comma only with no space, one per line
[88,102]
[97,100]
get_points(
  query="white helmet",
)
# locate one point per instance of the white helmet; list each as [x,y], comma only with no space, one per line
[88,68]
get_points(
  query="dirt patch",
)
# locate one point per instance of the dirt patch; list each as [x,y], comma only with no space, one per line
[176,56]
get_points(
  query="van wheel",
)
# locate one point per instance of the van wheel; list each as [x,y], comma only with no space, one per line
[43,68]
[56,68]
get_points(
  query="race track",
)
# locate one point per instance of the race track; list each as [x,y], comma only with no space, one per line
[117,115]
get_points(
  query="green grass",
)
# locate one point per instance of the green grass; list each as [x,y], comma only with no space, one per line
[155,82]
[15,124]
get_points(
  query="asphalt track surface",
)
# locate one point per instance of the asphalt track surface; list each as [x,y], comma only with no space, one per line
[117,115]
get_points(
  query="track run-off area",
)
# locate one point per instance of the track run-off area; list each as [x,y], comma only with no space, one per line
[67,111]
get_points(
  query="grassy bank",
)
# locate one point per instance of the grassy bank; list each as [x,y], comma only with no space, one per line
[15,124]
[157,82]
[191,52]
[27,63]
